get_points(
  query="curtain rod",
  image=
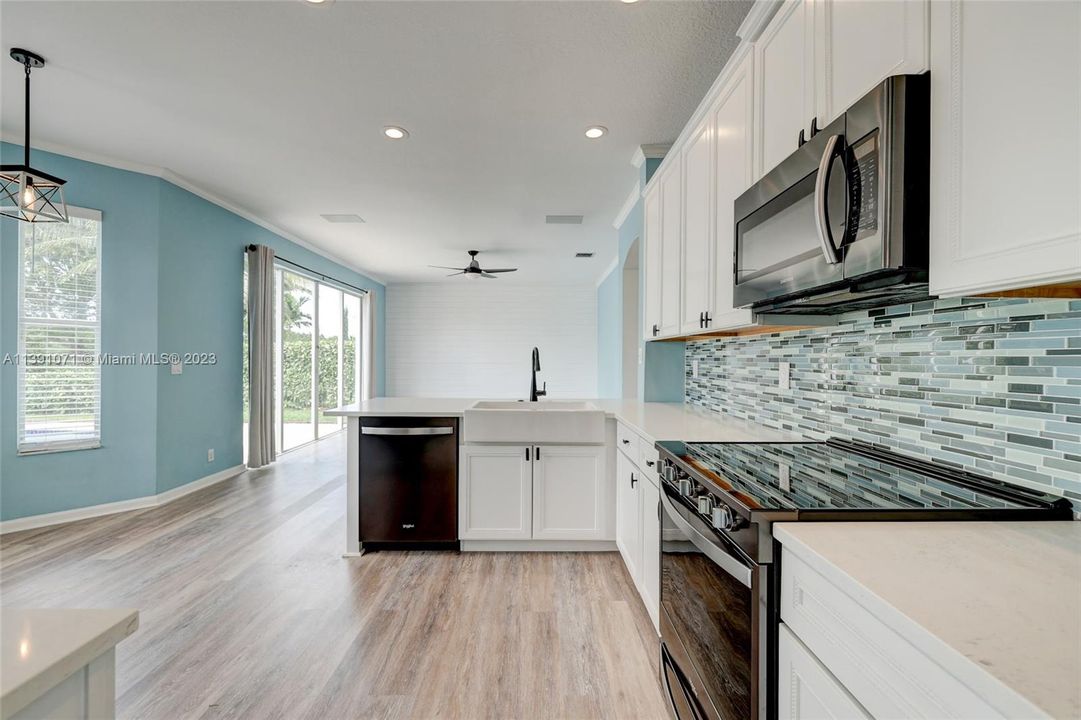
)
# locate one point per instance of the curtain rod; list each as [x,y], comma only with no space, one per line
[319,275]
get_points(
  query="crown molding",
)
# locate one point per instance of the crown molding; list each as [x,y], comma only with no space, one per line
[183,183]
[757,18]
[654,151]
[628,205]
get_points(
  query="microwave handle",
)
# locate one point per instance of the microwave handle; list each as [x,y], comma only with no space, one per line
[829,250]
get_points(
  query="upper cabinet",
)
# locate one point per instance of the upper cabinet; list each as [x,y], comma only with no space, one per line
[818,57]
[697,300]
[652,264]
[860,43]
[671,191]
[1005,171]
[784,83]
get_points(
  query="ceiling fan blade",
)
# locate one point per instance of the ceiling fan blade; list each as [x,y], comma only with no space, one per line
[500,270]
[484,273]
[457,273]
[443,267]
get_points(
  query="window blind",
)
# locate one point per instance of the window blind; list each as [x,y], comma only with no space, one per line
[59,372]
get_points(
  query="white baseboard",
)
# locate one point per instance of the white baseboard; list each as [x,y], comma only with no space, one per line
[538,546]
[33,522]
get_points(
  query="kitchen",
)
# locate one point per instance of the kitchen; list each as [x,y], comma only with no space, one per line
[803,440]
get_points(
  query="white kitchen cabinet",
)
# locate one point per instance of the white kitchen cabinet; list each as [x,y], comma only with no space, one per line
[652,256]
[696,281]
[671,191]
[860,43]
[495,492]
[732,118]
[649,511]
[569,492]
[628,514]
[784,83]
[1005,171]
[806,689]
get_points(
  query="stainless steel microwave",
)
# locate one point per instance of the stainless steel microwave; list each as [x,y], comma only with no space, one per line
[842,223]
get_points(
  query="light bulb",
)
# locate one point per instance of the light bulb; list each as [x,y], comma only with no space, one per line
[28,196]
[596,131]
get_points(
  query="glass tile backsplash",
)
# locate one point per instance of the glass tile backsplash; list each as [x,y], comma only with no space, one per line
[992,386]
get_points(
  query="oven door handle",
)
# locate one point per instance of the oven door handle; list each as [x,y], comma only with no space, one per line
[829,250]
[709,548]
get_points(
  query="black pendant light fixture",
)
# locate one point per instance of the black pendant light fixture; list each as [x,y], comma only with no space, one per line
[25,193]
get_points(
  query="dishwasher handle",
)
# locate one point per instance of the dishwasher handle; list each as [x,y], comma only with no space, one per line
[445,430]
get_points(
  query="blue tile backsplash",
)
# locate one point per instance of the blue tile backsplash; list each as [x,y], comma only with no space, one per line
[992,386]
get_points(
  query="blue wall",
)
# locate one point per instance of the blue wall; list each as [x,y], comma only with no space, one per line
[660,377]
[609,334]
[172,268]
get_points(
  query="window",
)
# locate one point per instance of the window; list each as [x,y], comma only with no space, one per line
[59,376]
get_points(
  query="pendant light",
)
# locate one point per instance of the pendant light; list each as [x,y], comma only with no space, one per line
[25,193]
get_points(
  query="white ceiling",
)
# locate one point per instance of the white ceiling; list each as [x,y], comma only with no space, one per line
[278,107]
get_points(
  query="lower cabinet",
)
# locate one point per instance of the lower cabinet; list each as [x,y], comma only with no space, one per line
[531,492]
[806,689]
[638,528]
[628,521]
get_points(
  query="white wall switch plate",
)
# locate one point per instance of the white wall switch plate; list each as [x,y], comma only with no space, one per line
[783,477]
[784,376]
[210,455]
[176,368]
[641,355]
[694,368]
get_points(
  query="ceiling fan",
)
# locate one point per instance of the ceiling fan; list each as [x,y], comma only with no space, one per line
[474,270]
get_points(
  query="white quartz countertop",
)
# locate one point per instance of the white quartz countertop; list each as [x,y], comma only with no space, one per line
[658,421]
[41,648]
[998,599]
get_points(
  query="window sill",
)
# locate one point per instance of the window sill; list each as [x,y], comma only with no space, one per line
[49,450]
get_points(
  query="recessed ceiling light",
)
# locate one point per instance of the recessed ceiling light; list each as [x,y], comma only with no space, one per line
[327,2]
[342,218]
[595,131]
[395,133]
[625,2]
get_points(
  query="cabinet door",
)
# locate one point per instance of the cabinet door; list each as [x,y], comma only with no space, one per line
[697,296]
[671,247]
[1005,176]
[568,492]
[806,689]
[733,130]
[650,587]
[628,520]
[784,83]
[860,43]
[496,496]
[652,256]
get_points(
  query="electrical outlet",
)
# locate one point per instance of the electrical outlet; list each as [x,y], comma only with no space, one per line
[784,376]
[694,368]
[210,455]
[783,477]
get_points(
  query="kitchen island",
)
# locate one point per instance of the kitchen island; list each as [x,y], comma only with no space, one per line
[650,422]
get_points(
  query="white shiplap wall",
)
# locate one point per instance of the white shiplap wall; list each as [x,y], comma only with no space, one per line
[474,338]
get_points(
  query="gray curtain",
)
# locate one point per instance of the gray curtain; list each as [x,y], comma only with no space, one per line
[367,384]
[261,450]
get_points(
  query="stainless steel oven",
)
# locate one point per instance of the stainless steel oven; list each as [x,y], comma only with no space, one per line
[713,607]
[842,223]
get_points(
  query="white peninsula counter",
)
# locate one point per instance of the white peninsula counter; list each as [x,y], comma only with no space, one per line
[59,663]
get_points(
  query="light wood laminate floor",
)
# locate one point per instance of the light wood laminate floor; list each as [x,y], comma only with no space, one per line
[249,610]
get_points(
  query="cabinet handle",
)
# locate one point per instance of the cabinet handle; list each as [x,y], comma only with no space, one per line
[633,480]
[701,319]
[814,126]
[708,319]
[625,441]
[649,463]
[656,331]
[802,139]
[527,454]
[536,454]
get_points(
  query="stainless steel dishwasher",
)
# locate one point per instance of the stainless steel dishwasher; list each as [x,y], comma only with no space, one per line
[408,482]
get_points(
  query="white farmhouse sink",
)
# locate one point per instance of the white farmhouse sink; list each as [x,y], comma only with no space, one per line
[525,423]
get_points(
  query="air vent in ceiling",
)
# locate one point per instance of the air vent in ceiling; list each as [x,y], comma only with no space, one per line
[342,218]
[563,219]
[583,255]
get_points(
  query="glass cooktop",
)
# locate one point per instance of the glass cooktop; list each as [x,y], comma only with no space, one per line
[843,475]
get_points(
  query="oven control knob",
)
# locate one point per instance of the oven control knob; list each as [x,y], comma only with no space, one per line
[686,487]
[705,505]
[724,519]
